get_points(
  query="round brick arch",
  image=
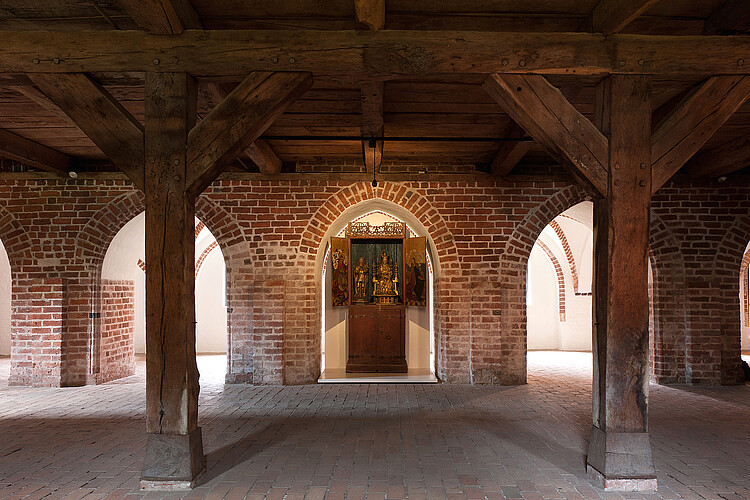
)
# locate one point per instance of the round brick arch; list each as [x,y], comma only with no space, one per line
[513,269]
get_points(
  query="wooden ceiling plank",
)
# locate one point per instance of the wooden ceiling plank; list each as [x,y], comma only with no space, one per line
[693,121]
[541,110]
[510,153]
[372,124]
[238,121]
[167,17]
[42,100]
[732,17]
[260,152]
[33,154]
[612,16]
[722,160]
[384,53]
[370,14]
[100,117]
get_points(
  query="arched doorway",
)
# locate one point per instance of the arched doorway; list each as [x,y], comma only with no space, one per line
[5,312]
[420,328]
[123,295]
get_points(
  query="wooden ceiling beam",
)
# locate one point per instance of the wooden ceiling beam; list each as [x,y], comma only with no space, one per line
[33,154]
[370,14]
[541,109]
[693,121]
[732,17]
[101,117]
[260,152]
[722,160]
[238,121]
[510,153]
[612,16]
[383,53]
[372,124]
[167,17]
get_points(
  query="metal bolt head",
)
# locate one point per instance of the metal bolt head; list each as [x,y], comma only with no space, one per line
[622,62]
[56,60]
[156,62]
[505,62]
[177,162]
[740,61]
[275,59]
[522,63]
[641,62]
[617,166]
[177,177]
[643,166]
[641,183]
[291,60]
[35,61]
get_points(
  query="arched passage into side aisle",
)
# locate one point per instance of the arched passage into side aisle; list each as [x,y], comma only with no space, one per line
[5,312]
[412,207]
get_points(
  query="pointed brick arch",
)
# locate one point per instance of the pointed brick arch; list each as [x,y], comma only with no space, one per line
[514,265]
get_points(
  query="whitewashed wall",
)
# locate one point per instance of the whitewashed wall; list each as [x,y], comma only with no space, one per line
[4,302]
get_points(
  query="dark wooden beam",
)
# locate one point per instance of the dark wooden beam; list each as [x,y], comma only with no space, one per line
[238,121]
[168,17]
[551,120]
[693,121]
[722,160]
[33,154]
[370,14]
[34,94]
[260,152]
[174,450]
[732,17]
[611,16]
[382,53]
[372,124]
[100,117]
[510,153]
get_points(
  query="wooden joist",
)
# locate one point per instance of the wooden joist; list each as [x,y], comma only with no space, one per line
[372,124]
[540,109]
[510,153]
[693,121]
[611,16]
[370,14]
[238,121]
[260,152]
[31,153]
[732,17]
[100,117]
[722,160]
[366,53]
[169,17]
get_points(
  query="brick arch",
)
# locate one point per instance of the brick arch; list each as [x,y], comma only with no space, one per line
[226,230]
[744,288]
[406,198]
[514,266]
[568,252]
[668,304]
[560,279]
[726,274]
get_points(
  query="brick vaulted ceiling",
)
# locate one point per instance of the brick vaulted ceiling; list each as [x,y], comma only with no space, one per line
[432,118]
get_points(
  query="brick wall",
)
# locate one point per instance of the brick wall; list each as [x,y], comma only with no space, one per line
[116,343]
[271,234]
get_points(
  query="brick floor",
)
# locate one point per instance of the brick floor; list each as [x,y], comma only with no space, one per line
[372,441]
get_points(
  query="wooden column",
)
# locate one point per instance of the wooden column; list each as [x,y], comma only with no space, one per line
[620,451]
[174,453]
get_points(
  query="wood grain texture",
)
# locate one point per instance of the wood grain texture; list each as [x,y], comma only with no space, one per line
[551,120]
[367,53]
[102,118]
[693,121]
[612,16]
[370,14]
[372,124]
[731,18]
[260,152]
[238,121]
[33,154]
[171,371]
[722,160]
[167,17]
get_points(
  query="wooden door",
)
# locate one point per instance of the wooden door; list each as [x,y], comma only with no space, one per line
[391,339]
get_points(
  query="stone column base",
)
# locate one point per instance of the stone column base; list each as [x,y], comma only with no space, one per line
[173,461]
[621,461]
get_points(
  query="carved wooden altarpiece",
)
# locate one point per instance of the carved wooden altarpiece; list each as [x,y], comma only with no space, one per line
[377,272]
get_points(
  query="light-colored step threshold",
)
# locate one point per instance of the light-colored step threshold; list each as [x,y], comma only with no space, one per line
[339,376]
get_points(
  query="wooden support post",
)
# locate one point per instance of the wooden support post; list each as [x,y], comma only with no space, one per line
[174,453]
[619,456]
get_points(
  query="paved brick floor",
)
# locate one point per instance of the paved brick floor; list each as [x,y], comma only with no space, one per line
[368,441]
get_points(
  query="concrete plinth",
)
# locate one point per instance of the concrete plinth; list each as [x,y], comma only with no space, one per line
[621,461]
[173,461]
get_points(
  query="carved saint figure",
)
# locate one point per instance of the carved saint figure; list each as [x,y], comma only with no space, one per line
[360,280]
[384,278]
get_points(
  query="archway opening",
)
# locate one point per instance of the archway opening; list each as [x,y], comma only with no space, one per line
[5,312]
[122,336]
[745,305]
[420,328]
